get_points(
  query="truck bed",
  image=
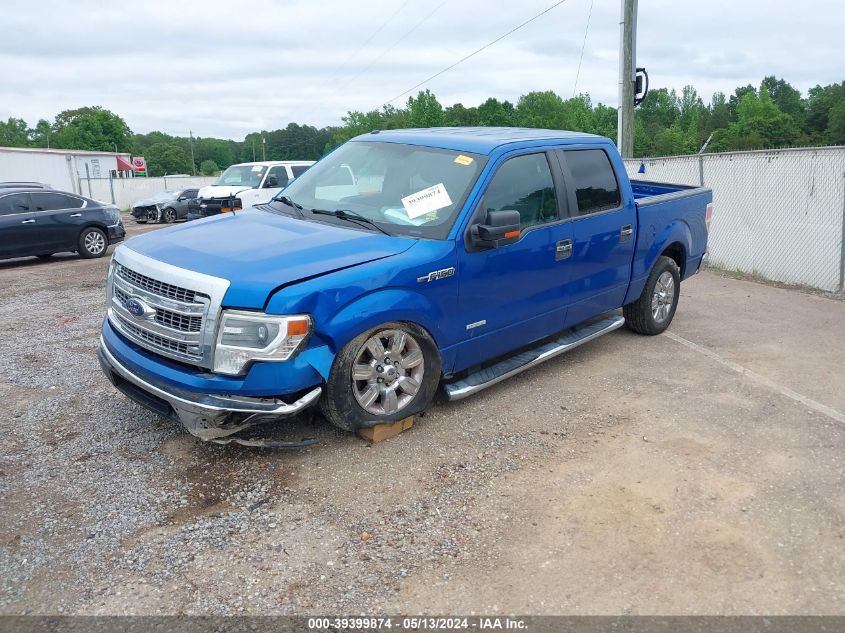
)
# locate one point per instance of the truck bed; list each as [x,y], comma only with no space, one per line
[668,213]
[647,189]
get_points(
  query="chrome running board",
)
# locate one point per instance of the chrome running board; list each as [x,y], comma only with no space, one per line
[529,358]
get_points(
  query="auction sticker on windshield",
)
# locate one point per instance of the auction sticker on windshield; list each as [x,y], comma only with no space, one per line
[427,200]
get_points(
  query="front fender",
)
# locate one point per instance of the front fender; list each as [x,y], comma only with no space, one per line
[369,311]
[381,306]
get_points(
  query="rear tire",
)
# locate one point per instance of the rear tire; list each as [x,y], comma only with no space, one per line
[653,312]
[397,369]
[92,243]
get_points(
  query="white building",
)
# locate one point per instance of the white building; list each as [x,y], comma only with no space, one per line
[63,169]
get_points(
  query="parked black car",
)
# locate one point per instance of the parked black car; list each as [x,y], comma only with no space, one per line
[42,222]
[167,206]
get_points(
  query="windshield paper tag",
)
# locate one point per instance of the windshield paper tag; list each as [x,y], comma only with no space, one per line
[257,167]
[426,201]
[463,160]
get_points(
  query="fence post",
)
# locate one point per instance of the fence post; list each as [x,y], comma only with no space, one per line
[165,182]
[111,187]
[842,244]
[88,178]
[701,170]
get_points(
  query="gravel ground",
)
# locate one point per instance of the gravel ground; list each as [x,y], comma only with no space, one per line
[633,475]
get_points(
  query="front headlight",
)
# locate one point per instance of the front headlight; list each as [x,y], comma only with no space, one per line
[247,336]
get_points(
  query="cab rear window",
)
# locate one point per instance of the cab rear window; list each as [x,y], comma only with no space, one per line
[594,180]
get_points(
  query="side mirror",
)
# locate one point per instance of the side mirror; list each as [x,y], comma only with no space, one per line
[181,199]
[271,183]
[499,229]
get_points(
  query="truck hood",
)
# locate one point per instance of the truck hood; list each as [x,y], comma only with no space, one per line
[220,191]
[260,251]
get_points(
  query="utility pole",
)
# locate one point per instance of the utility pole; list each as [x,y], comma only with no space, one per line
[191,143]
[264,148]
[627,77]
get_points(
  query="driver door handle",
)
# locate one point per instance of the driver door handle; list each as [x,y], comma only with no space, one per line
[27,221]
[75,215]
[626,232]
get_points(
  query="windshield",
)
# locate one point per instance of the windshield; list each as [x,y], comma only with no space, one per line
[242,175]
[405,189]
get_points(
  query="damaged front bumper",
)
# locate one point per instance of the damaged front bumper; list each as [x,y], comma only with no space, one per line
[207,416]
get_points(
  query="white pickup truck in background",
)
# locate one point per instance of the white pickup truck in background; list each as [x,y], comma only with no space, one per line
[246,184]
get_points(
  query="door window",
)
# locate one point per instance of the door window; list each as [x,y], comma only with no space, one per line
[277,177]
[298,170]
[55,201]
[524,184]
[14,203]
[594,180]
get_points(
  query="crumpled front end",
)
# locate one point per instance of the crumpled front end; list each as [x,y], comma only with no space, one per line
[158,348]
[207,416]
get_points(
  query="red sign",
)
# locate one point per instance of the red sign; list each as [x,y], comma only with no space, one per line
[124,165]
[139,165]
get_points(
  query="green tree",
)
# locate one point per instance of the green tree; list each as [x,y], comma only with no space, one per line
[785,97]
[821,102]
[458,116]
[209,168]
[14,133]
[163,159]
[541,110]
[736,97]
[40,135]
[91,128]
[496,113]
[425,110]
[836,124]
[760,123]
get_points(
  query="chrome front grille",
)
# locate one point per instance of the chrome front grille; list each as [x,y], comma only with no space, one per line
[155,286]
[174,312]
[156,341]
[167,318]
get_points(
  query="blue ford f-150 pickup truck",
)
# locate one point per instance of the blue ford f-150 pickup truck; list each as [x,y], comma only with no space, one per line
[453,257]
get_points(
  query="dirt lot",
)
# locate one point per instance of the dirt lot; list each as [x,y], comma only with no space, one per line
[698,472]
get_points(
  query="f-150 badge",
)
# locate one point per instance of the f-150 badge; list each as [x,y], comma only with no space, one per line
[437,274]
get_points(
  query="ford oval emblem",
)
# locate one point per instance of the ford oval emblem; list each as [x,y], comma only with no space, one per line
[138,308]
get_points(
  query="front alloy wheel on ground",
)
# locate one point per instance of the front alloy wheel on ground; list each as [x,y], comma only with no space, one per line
[168,216]
[92,243]
[383,375]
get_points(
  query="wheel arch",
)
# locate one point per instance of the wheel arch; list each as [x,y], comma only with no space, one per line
[673,241]
[389,305]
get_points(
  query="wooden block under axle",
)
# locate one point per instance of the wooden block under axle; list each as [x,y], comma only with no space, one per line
[381,432]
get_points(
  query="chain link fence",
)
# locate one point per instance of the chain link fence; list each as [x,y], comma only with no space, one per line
[779,214]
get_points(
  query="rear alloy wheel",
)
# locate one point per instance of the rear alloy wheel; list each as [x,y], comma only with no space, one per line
[384,375]
[92,243]
[653,311]
[168,216]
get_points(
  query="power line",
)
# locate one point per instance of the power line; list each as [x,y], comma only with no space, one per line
[583,45]
[372,36]
[396,43]
[475,52]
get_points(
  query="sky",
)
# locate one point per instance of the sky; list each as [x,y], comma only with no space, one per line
[226,68]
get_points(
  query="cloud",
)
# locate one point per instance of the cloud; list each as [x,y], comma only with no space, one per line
[226,68]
